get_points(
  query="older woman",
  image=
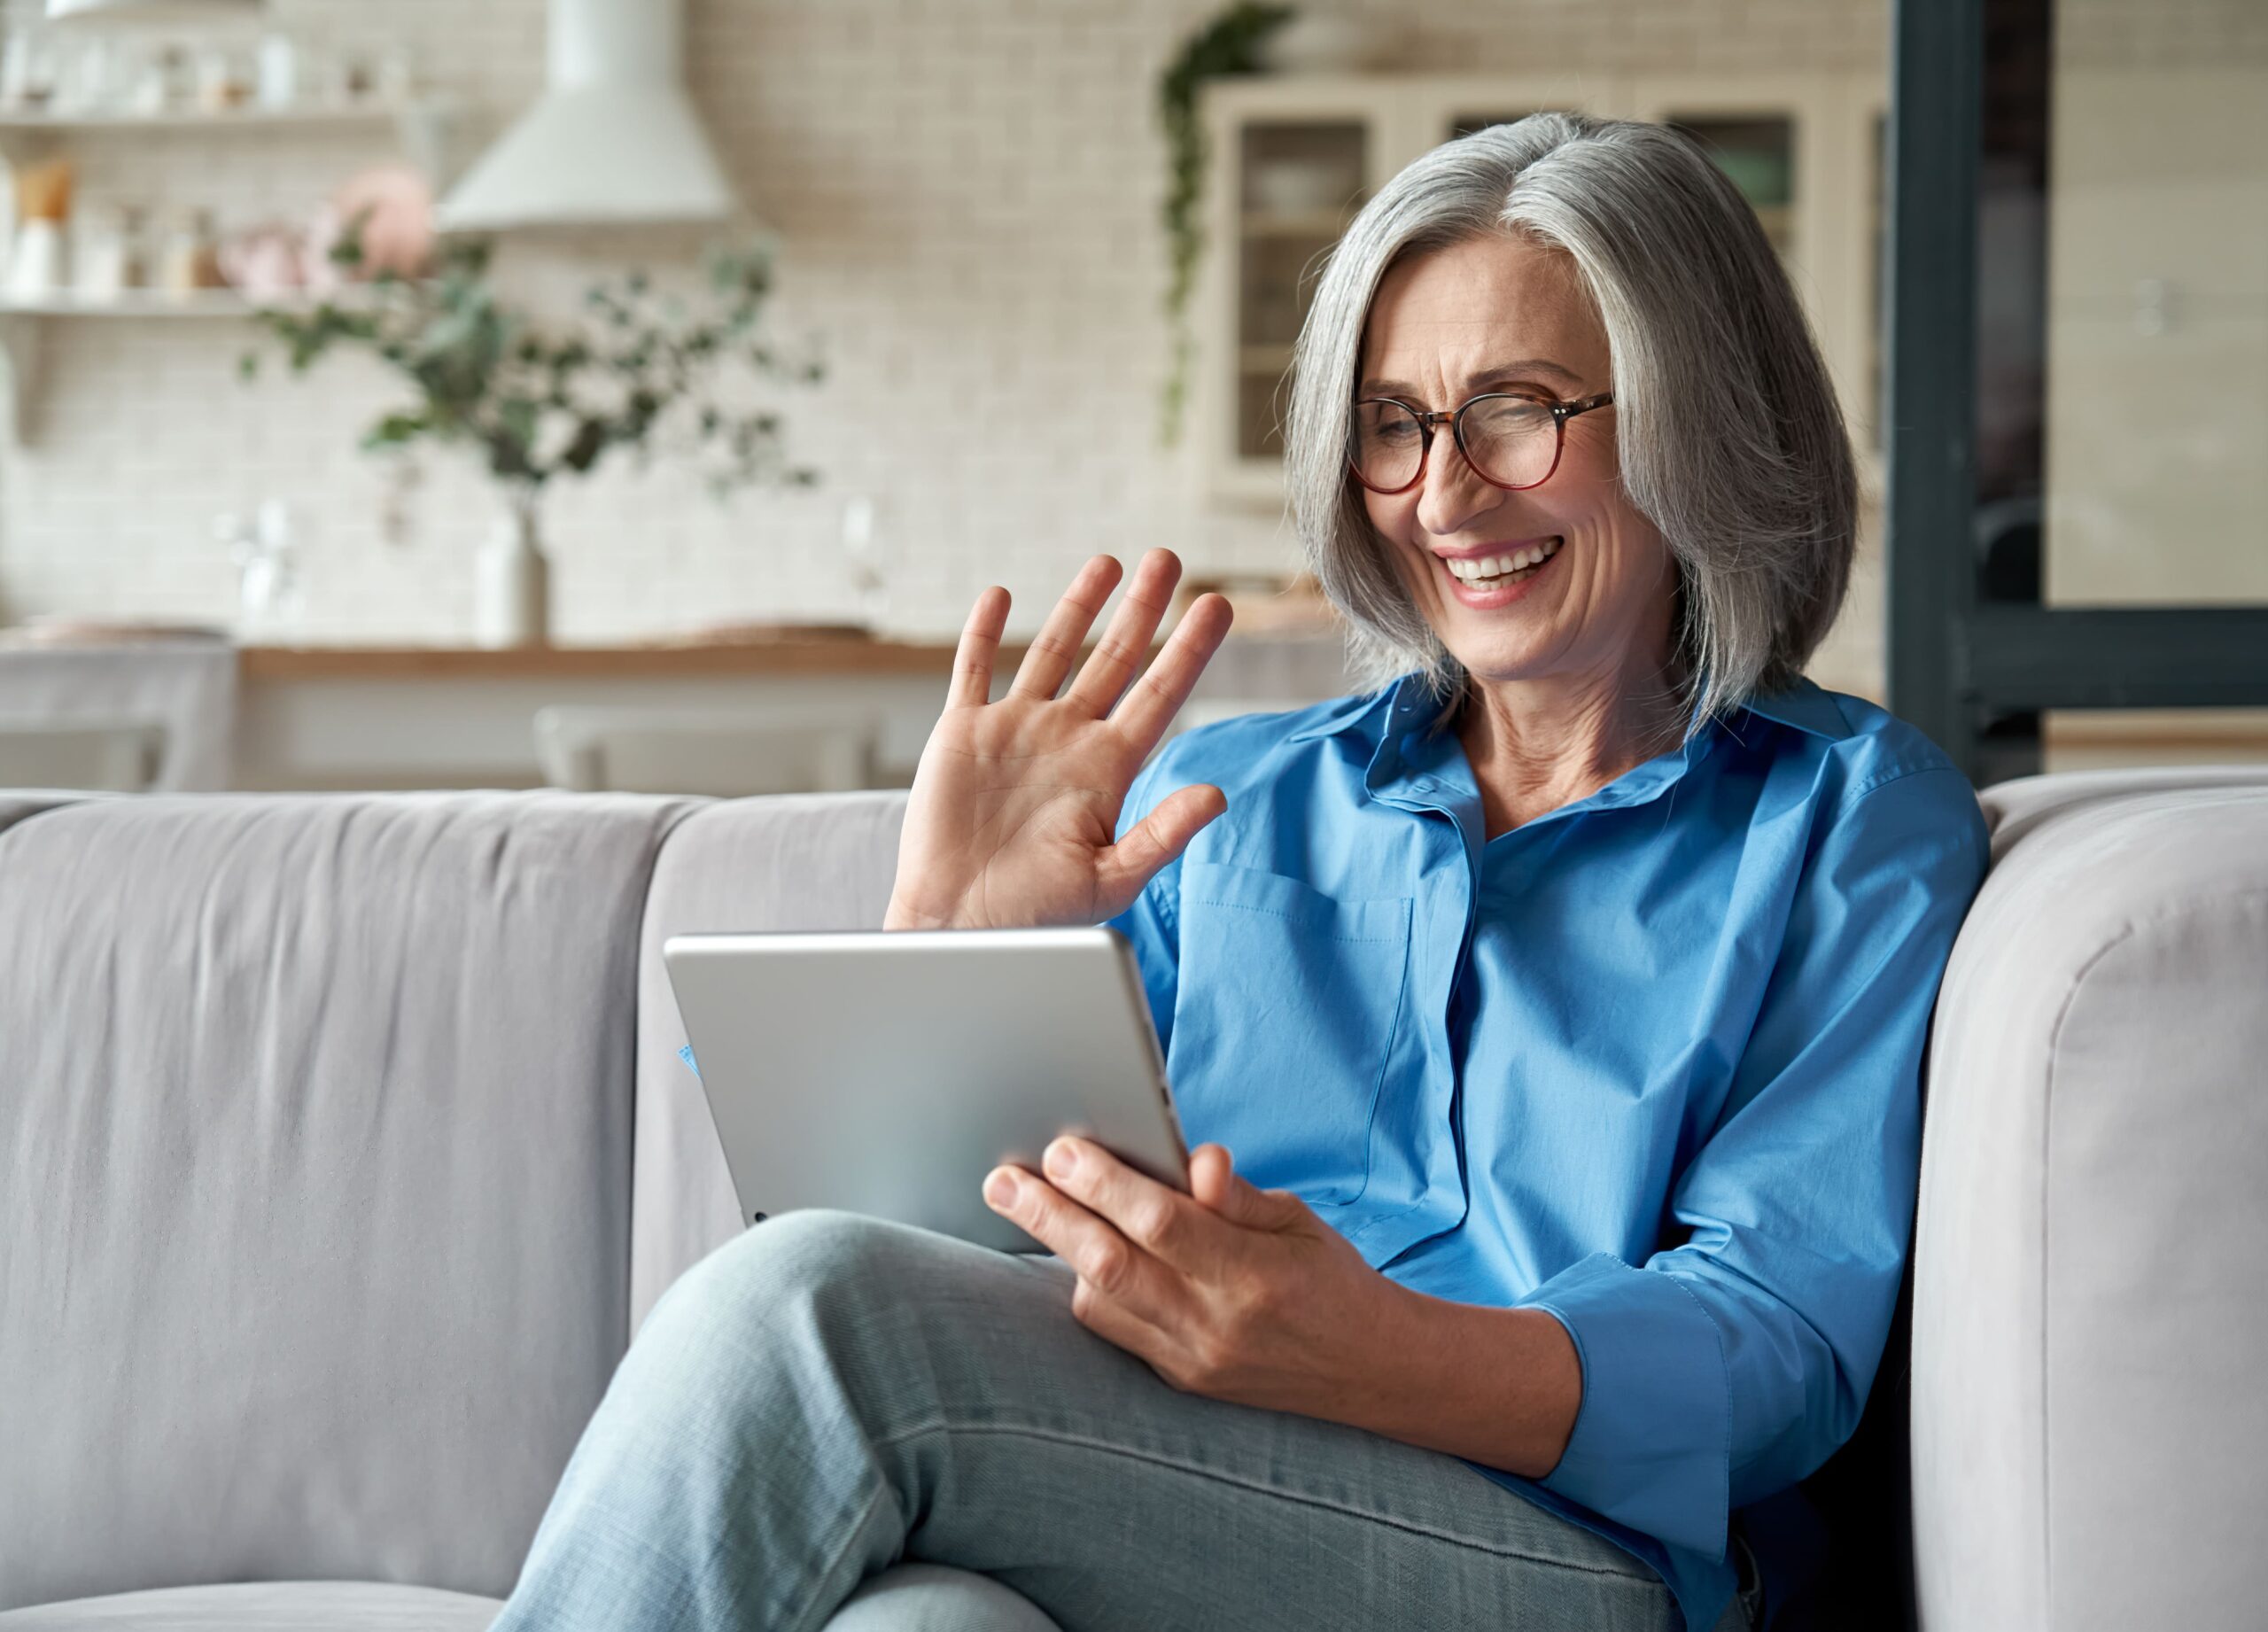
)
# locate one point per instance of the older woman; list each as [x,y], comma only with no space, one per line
[1552,1017]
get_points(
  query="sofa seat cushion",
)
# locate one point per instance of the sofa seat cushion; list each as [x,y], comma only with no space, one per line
[264,1606]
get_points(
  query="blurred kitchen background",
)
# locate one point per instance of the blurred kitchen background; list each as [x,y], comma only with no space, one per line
[937,352]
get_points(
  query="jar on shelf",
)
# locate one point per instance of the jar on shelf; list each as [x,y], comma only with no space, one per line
[87,75]
[190,262]
[278,73]
[160,82]
[223,80]
[28,71]
[107,255]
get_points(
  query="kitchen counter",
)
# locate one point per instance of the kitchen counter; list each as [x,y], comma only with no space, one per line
[805,654]
[319,718]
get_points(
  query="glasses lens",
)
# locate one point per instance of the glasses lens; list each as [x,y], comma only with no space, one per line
[1389,445]
[1511,441]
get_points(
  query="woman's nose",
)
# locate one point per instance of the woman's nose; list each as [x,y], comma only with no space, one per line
[1452,495]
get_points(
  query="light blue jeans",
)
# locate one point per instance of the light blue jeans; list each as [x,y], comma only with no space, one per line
[838,1423]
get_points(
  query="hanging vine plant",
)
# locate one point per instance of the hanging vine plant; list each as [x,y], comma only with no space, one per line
[1229,45]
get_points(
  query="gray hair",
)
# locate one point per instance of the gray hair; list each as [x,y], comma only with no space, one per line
[1731,439]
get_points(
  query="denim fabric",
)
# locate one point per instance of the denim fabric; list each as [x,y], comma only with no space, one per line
[829,1396]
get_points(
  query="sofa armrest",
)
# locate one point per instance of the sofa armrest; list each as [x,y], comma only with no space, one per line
[2089,1296]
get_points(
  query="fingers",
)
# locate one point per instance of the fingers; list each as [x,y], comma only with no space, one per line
[1127,642]
[1148,708]
[979,639]
[1213,1183]
[1124,867]
[1156,1218]
[1056,646]
[1103,1257]
[1213,1176]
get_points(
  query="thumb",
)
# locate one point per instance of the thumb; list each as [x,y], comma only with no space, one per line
[1157,839]
[1213,1183]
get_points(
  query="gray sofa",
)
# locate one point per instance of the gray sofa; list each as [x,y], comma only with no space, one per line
[343,1144]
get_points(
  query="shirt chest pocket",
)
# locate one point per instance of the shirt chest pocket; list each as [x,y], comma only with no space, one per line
[1288,1003]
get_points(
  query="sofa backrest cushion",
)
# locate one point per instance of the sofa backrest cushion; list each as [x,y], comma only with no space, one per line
[315,1123]
[798,861]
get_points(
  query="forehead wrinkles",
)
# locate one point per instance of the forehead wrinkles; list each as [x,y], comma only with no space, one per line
[1457,310]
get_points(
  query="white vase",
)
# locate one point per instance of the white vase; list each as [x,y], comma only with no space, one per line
[511,587]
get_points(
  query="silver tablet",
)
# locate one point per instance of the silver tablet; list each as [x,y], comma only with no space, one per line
[887,1073]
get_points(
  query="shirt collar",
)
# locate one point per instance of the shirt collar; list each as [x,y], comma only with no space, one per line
[1805,706]
[1435,768]
[1405,704]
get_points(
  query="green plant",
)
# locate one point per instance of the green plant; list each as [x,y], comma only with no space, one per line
[1230,44]
[542,401]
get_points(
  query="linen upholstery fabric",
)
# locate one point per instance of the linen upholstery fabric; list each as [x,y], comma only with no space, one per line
[21,803]
[2091,1299]
[313,1224]
[801,861]
[264,1606]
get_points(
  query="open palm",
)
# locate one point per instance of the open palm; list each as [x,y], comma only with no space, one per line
[1011,819]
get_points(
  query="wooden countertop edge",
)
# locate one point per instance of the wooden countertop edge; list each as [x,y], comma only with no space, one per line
[789,656]
[269,664]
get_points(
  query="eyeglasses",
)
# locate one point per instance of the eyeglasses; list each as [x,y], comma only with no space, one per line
[1510,441]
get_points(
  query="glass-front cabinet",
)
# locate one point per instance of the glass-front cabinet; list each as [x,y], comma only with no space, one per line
[1294,158]
[1298,182]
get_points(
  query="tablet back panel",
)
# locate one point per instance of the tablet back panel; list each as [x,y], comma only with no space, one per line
[887,1074]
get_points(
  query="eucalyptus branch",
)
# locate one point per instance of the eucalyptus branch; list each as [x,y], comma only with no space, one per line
[538,403]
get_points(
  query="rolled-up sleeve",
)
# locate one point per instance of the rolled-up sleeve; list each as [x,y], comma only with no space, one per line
[1732,1365]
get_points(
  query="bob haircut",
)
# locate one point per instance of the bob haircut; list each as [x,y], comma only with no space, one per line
[1729,435]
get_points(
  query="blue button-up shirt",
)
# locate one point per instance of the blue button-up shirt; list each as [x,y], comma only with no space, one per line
[1650,1061]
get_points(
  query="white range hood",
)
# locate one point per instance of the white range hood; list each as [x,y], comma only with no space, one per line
[614,142]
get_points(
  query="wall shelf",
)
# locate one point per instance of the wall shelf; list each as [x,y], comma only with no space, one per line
[23,326]
[141,303]
[235,119]
[428,129]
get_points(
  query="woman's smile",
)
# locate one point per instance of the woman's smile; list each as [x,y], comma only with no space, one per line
[1499,578]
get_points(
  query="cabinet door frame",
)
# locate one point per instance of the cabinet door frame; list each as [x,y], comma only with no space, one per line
[1229,107]
[1426,102]
[1829,242]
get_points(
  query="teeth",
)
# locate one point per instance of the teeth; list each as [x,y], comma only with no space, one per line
[1497,566]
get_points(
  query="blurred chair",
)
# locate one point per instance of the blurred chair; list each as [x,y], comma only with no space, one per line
[122,757]
[721,754]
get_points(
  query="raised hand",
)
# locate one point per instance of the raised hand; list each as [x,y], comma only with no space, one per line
[1015,803]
